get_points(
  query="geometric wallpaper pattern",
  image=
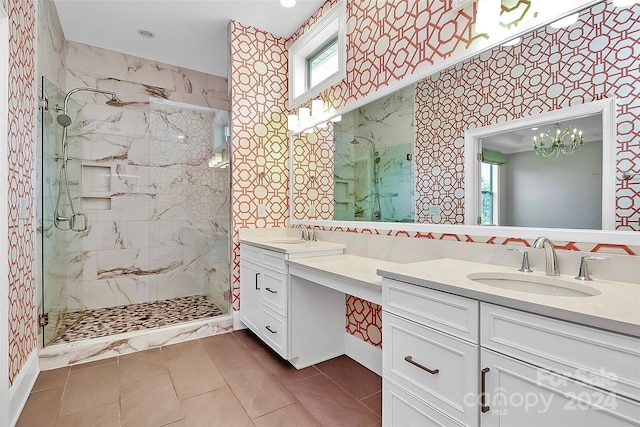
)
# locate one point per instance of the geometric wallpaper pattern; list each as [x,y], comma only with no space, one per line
[313,174]
[386,42]
[260,143]
[550,69]
[21,125]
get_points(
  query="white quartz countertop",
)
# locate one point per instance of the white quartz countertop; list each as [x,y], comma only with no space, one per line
[290,245]
[352,268]
[616,308]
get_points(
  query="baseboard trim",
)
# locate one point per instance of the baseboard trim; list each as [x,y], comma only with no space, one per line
[363,353]
[22,385]
[237,323]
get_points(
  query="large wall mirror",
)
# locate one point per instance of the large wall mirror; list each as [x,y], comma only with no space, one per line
[401,158]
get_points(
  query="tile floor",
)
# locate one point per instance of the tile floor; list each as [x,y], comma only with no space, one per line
[226,380]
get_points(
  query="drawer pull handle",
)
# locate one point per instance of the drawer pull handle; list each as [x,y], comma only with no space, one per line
[271,330]
[484,408]
[424,368]
[271,290]
[257,288]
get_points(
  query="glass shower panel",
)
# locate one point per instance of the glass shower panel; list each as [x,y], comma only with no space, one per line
[57,244]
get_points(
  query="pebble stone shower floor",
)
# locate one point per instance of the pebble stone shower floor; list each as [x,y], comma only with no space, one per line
[87,324]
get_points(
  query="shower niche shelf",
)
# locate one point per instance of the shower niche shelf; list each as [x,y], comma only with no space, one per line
[96,203]
[96,178]
[96,187]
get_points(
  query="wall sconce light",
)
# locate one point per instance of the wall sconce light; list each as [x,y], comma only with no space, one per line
[567,21]
[624,3]
[317,109]
[487,15]
[305,116]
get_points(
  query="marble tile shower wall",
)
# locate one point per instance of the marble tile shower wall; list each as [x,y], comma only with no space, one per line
[158,214]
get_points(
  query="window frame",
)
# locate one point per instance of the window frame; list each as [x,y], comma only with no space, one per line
[330,26]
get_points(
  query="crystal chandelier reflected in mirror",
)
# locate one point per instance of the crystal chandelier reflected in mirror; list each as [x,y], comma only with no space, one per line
[562,141]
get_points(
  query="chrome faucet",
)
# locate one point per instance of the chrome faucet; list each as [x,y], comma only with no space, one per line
[551,260]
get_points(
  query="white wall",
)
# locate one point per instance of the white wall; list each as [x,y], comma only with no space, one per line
[4,241]
[541,193]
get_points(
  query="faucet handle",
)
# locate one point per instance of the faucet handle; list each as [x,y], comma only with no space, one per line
[525,260]
[583,273]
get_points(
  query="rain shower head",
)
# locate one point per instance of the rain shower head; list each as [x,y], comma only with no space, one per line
[114,101]
[64,120]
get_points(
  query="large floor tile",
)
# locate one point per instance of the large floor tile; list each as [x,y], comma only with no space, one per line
[41,408]
[177,350]
[249,340]
[352,376]
[215,408]
[143,364]
[290,416]
[102,416]
[89,388]
[51,379]
[330,404]
[149,402]
[94,363]
[227,353]
[194,373]
[282,369]
[257,390]
[374,402]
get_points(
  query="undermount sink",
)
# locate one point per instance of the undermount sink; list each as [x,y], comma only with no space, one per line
[545,285]
[287,242]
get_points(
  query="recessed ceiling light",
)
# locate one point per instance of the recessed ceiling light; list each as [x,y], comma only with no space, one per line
[146,33]
[534,128]
[288,3]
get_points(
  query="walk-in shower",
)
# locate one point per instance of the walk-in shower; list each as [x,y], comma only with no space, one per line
[134,214]
[73,220]
[374,194]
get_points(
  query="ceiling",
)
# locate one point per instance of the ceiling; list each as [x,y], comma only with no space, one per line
[188,33]
[520,140]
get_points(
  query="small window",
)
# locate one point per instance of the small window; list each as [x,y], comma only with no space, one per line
[317,60]
[489,206]
[322,63]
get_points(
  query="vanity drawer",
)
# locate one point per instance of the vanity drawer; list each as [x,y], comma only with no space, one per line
[274,331]
[274,260]
[274,291]
[452,314]
[400,408]
[250,252]
[573,350]
[456,361]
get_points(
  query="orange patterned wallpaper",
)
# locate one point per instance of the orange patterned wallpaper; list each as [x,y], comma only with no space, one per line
[260,141]
[313,174]
[21,125]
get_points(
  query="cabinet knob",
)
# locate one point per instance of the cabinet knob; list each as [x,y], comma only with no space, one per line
[268,328]
[271,290]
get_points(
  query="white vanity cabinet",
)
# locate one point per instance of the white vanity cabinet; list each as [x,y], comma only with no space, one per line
[429,357]
[263,289]
[265,293]
[479,364]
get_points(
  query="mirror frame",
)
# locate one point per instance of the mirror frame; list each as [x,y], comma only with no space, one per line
[473,147]
[422,72]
